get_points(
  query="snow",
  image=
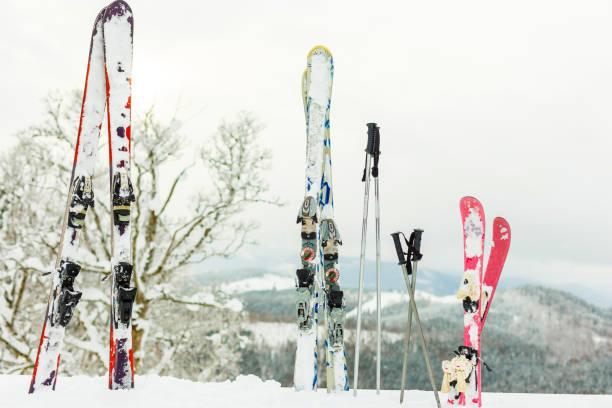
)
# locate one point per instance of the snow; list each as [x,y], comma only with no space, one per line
[246,391]
[266,282]
[388,299]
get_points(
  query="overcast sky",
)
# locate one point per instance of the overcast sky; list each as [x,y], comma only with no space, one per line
[507,101]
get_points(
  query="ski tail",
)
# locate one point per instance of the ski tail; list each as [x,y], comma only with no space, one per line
[495,264]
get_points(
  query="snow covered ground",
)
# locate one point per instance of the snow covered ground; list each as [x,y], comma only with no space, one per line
[245,391]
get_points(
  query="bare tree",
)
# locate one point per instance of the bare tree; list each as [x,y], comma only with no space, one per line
[188,209]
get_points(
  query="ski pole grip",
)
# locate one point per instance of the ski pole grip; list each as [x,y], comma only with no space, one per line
[416,239]
[398,248]
[373,139]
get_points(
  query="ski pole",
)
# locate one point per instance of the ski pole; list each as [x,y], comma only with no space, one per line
[376,153]
[408,333]
[414,253]
[403,262]
[371,148]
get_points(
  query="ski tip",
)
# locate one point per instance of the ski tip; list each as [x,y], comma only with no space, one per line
[117,8]
[469,202]
[501,228]
[97,26]
[319,49]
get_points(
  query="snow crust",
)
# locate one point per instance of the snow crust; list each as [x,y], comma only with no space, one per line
[246,391]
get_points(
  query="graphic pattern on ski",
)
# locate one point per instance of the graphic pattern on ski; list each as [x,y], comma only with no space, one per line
[107,85]
[63,298]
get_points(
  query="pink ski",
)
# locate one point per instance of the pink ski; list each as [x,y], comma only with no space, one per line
[497,258]
[473,221]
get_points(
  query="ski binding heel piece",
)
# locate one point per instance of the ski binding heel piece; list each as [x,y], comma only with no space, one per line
[82,199]
[305,293]
[68,297]
[335,322]
[123,196]
[125,294]
[125,298]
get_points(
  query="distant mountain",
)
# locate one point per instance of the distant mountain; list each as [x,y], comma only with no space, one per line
[432,281]
[536,339]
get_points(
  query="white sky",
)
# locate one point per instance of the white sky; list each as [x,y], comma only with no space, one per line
[506,101]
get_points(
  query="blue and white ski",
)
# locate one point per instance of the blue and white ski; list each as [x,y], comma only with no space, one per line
[318,288]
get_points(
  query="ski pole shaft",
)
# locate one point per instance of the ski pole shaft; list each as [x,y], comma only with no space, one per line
[378,288]
[422,336]
[408,334]
[364,227]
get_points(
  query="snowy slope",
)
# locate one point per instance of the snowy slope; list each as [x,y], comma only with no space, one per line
[246,391]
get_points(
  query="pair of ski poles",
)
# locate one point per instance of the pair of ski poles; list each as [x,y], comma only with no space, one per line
[372,156]
[413,255]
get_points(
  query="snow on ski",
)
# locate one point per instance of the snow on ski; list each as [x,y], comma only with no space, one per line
[63,298]
[118,32]
[495,264]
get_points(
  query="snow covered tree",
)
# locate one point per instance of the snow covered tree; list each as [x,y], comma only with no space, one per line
[188,209]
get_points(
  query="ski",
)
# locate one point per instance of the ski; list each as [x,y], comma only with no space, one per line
[318,288]
[463,374]
[473,221]
[118,33]
[333,296]
[63,297]
[495,264]
[107,85]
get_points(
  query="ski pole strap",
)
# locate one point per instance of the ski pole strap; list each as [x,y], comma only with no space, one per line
[365,169]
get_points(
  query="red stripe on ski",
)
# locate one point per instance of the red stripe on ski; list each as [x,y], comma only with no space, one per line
[56,370]
[111,363]
[108,122]
[42,338]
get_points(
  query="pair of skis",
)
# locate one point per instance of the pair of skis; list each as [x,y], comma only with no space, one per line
[107,86]
[463,375]
[318,289]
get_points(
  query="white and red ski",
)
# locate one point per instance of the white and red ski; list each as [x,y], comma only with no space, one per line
[107,85]
[118,33]
[63,298]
